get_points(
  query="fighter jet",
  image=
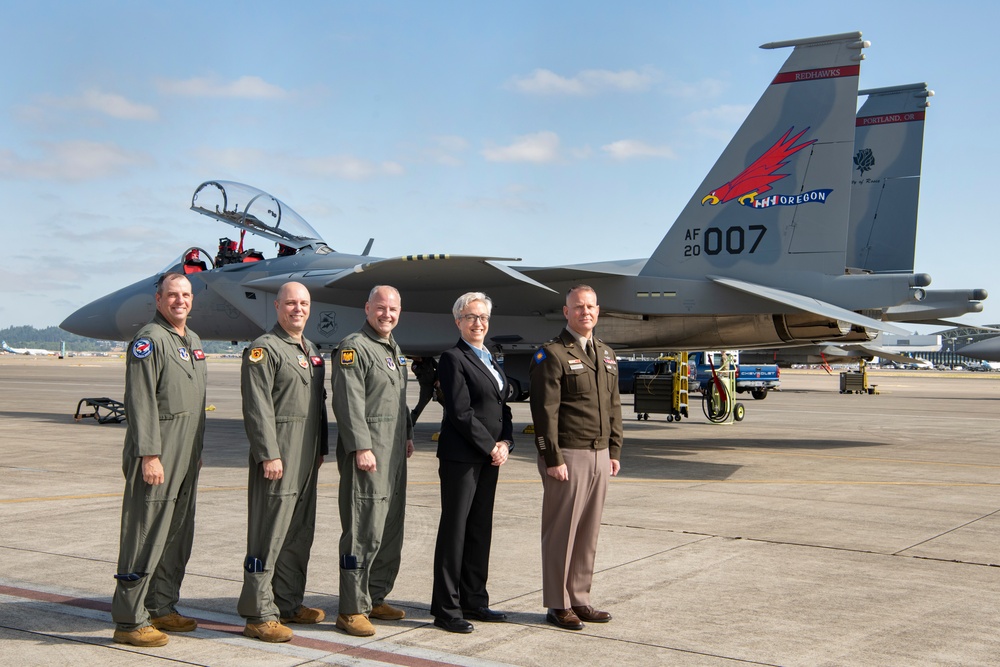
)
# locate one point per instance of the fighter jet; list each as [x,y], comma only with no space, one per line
[756,258]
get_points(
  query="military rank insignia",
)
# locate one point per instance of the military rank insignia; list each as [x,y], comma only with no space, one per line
[256,354]
[347,357]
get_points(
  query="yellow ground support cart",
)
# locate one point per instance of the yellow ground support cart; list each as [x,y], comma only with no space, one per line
[664,390]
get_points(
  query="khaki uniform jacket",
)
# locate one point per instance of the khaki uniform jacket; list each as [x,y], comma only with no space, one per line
[368,378]
[165,376]
[573,404]
[284,411]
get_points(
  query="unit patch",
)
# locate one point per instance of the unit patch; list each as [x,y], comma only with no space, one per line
[256,354]
[142,348]
[183,352]
[390,363]
[316,361]
[540,356]
[347,357]
[402,360]
[198,354]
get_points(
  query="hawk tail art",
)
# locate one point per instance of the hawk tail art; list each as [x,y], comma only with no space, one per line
[760,175]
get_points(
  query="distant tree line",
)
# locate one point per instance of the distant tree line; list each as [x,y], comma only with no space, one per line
[52,338]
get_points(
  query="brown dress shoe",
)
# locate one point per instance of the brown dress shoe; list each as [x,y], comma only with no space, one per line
[386,612]
[268,631]
[357,625]
[305,615]
[564,618]
[146,636]
[591,615]
[174,622]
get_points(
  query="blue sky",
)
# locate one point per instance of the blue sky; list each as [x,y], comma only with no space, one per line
[556,132]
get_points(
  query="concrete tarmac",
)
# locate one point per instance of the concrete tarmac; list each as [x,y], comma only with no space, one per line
[824,529]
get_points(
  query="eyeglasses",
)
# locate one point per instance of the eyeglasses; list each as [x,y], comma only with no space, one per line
[485,319]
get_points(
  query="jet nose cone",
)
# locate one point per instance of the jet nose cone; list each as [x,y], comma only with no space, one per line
[116,316]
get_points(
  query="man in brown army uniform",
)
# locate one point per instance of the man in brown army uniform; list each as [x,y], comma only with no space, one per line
[578,432]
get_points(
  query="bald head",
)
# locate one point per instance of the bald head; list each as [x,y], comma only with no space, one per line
[292,306]
[382,309]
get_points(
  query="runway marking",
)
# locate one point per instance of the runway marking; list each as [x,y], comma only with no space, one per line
[842,482]
[367,650]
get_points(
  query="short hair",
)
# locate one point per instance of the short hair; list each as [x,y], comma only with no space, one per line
[371,294]
[167,277]
[471,297]
[586,288]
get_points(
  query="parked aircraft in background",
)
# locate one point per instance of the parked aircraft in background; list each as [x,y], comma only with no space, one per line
[757,257]
[33,351]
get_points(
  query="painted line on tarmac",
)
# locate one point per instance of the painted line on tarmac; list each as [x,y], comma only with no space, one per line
[841,482]
[358,650]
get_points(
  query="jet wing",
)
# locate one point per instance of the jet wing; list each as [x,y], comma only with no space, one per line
[428,283]
[808,304]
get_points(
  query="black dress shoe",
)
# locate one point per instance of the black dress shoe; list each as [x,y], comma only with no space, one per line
[564,618]
[591,615]
[484,614]
[454,625]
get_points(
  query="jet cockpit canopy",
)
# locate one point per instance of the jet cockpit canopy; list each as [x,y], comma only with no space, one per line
[255,211]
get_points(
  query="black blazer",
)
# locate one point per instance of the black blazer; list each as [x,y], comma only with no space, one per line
[476,414]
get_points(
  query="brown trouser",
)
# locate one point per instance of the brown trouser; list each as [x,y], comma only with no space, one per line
[571,521]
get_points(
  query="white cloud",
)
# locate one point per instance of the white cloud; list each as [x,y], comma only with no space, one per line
[540,148]
[586,82]
[446,150]
[627,149]
[719,122]
[347,167]
[71,161]
[246,87]
[706,88]
[116,106]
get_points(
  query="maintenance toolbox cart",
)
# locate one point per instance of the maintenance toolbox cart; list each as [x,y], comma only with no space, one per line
[856,382]
[664,390]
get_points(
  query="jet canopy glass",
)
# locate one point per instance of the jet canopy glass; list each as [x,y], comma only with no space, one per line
[255,211]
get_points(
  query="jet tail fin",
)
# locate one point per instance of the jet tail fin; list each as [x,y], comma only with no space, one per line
[885,183]
[779,195]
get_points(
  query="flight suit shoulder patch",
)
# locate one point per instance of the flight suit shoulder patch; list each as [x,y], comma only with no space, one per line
[347,357]
[142,348]
[256,355]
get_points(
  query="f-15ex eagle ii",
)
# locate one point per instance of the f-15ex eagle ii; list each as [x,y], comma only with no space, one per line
[757,258]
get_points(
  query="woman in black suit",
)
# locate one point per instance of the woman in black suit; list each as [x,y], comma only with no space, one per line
[476,438]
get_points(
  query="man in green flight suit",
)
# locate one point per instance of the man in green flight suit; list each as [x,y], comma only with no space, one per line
[165,402]
[375,437]
[284,414]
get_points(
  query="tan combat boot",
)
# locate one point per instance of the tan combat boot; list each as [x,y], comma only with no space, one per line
[268,631]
